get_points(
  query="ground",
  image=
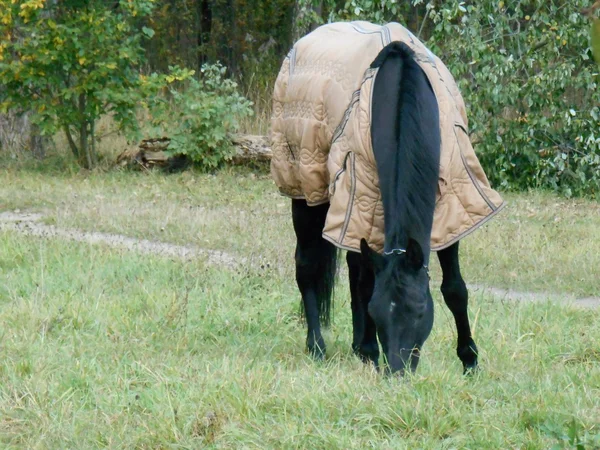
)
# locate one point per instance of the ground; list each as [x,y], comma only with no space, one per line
[118,345]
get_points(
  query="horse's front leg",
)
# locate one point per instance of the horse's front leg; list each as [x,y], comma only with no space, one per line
[315,266]
[456,297]
[364,336]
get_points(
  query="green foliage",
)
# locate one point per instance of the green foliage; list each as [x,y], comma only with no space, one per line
[71,64]
[199,115]
[239,33]
[68,63]
[529,82]
[525,70]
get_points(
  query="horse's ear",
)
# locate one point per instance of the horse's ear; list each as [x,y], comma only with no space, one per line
[370,257]
[414,254]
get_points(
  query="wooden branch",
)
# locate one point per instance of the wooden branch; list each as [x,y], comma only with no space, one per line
[72,144]
[539,45]
[151,152]
[591,10]
[251,148]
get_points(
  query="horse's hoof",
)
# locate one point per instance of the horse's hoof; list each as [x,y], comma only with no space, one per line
[368,354]
[468,355]
[470,369]
[316,348]
[317,353]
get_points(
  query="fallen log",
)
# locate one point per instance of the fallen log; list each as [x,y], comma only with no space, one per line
[152,152]
[251,148]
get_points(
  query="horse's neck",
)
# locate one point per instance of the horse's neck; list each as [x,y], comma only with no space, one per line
[398,231]
[396,234]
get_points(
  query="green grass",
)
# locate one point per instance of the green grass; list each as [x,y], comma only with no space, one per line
[538,243]
[103,348]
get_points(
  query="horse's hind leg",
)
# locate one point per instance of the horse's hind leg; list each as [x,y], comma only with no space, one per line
[315,268]
[364,339]
[456,297]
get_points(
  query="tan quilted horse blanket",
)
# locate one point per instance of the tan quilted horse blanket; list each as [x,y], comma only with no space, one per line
[321,139]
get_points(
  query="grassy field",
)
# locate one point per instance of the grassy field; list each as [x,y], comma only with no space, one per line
[106,348]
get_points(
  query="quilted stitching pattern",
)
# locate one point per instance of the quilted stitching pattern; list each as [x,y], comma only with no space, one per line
[311,100]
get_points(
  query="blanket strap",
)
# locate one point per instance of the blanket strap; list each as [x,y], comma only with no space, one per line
[399,251]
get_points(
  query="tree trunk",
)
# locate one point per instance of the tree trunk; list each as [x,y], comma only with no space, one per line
[18,135]
[86,159]
[93,140]
[36,142]
[318,9]
[203,33]
[71,141]
[12,129]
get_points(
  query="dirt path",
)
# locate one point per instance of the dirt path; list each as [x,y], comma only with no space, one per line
[520,296]
[29,224]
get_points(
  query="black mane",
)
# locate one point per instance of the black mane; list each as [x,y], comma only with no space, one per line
[406,144]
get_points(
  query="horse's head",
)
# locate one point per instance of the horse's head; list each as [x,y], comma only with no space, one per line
[401,305]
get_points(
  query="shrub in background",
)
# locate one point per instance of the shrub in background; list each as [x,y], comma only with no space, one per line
[68,63]
[526,72]
[199,115]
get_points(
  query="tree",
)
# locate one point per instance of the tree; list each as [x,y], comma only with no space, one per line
[70,62]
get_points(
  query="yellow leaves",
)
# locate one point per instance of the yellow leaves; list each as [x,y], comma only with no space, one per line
[32,4]
[180,75]
[28,8]
[111,66]
[42,108]
[82,60]
[4,106]
[6,17]
[500,5]
[527,17]
[132,8]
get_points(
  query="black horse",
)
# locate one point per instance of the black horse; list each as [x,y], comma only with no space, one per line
[390,293]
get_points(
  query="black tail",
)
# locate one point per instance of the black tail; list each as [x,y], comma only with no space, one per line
[326,283]
[316,258]
[406,142]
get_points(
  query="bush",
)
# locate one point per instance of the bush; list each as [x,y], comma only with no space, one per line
[199,115]
[68,63]
[525,70]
